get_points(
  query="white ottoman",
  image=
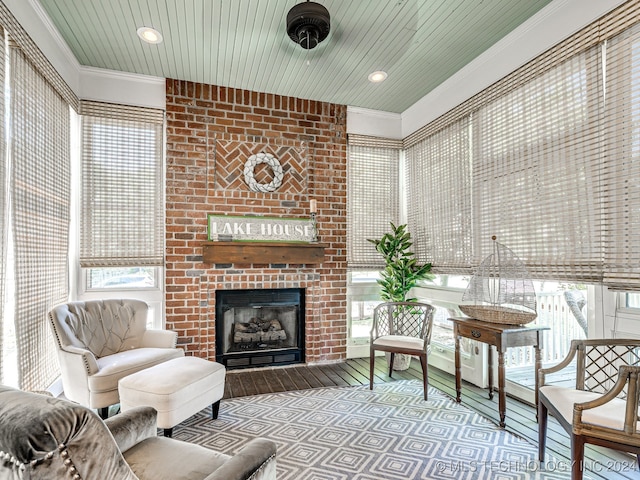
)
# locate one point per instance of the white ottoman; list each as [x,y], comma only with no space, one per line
[177,389]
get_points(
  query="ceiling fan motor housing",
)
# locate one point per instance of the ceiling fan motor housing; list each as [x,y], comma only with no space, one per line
[308,24]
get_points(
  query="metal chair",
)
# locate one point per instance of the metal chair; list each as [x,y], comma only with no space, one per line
[402,327]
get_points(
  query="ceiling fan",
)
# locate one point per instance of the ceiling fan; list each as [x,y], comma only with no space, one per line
[308,24]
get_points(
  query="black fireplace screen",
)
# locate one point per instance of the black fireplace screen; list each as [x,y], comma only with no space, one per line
[259,327]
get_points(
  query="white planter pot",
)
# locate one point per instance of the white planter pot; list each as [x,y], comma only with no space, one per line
[400,361]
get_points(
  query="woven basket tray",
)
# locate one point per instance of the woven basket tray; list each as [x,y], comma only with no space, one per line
[493,314]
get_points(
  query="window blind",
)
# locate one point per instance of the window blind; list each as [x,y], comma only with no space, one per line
[438,189]
[373,197]
[536,172]
[31,51]
[40,148]
[122,207]
[621,162]
[3,208]
[553,158]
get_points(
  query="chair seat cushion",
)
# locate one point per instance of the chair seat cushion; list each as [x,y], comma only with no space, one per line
[114,367]
[160,458]
[610,415]
[400,341]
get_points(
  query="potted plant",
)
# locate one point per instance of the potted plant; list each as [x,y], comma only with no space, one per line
[401,272]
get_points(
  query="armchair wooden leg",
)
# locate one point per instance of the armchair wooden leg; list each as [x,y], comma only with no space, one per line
[425,372]
[577,457]
[391,359]
[542,430]
[168,432]
[103,412]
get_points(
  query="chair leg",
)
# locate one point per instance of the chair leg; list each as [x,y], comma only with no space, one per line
[215,409]
[391,359]
[577,457]
[543,413]
[372,361]
[425,375]
[168,432]
[103,412]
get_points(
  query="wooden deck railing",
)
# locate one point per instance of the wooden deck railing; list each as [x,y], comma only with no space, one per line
[553,312]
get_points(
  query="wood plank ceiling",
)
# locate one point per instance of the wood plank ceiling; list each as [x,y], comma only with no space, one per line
[243,43]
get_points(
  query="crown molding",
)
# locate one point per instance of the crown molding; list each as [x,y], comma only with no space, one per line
[86,82]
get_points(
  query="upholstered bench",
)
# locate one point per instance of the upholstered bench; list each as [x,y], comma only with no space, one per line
[177,389]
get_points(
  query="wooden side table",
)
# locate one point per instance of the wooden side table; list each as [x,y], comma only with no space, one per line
[501,337]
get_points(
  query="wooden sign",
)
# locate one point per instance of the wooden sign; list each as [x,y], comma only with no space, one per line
[229,228]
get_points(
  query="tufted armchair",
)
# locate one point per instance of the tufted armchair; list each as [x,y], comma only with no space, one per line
[101,341]
[46,438]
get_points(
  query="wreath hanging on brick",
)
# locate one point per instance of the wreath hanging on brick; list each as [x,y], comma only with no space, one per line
[276,168]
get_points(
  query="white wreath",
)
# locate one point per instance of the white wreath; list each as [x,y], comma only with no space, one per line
[272,162]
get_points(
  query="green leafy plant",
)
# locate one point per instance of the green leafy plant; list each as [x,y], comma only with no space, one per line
[402,271]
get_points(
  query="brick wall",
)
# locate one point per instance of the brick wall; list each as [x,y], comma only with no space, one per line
[211,131]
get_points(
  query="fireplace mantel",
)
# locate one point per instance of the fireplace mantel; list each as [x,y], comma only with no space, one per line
[262,252]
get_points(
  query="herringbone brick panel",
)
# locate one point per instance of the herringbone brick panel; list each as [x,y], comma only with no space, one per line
[230,157]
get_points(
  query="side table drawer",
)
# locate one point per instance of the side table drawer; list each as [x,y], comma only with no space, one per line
[478,334]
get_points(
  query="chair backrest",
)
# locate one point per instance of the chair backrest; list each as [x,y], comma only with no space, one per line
[411,319]
[104,327]
[598,362]
[50,438]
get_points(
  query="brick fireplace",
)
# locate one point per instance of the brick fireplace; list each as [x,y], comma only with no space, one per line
[211,131]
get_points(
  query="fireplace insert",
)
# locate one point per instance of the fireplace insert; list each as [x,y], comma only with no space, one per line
[259,327]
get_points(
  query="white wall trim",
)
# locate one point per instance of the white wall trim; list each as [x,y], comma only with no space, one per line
[122,87]
[376,123]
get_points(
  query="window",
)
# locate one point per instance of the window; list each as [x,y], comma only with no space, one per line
[35,206]
[122,278]
[632,300]
[438,189]
[122,207]
[373,198]
[363,295]
[544,160]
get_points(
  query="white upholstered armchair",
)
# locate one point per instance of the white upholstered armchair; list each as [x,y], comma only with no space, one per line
[101,341]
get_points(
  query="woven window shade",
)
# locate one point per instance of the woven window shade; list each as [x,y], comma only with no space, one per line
[439,198]
[536,172]
[621,163]
[29,48]
[553,163]
[3,209]
[373,197]
[122,207]
[40,151]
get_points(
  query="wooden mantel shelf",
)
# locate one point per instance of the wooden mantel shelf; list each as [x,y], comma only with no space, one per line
[262,252]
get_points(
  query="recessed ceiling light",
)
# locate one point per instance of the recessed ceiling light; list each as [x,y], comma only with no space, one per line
[150,35]
[377,76]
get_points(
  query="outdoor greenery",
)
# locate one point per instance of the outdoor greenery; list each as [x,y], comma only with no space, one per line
[402,271]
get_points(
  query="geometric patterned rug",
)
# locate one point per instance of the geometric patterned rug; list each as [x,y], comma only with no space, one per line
[352,433]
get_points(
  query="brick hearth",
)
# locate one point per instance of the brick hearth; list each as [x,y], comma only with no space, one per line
[211,131]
